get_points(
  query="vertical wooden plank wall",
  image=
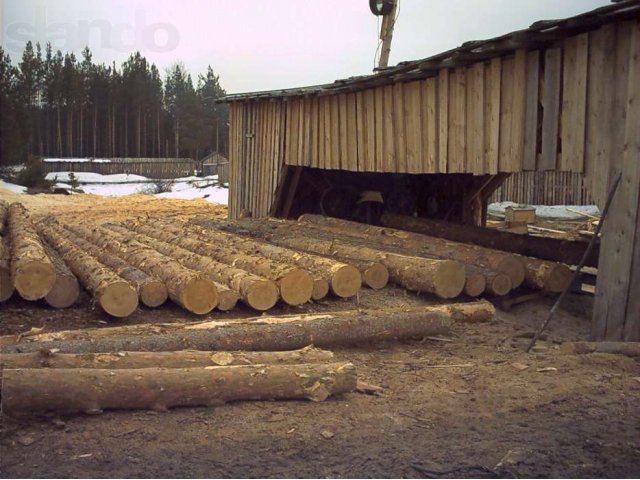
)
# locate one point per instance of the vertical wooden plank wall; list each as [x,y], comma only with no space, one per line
[538,110]
[615,315]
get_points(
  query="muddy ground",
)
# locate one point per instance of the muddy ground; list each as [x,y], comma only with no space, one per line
[506,415]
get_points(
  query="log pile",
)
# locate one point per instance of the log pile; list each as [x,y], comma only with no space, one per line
[486,271]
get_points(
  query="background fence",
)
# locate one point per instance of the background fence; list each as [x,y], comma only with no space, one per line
[147,167]
[544,188]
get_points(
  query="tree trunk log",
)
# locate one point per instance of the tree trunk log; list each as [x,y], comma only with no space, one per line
[539,274]
[475,283]
[114,295]
[553,249]
[4,213]
[32,271]
[6,283]
[344,280]
[257,292]
[151,291]
[295,284]
[444,278]
[629,349]
[66,290]
[227,298]
[178,359]
[264,333]
[91,390]
[487,259]
[186,287]
[374,274]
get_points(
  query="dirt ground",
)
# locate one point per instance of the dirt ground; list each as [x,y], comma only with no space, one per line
[503,413]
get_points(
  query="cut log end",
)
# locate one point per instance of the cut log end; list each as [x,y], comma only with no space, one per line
[375,276]
[199,296]
[118,299]
[558,278]
[6,284]
[320,289]
[64,293]
[227,300]
[449,279]
[346,281]
[475,284]
[153,293]
[296,287]
[514,268]
[262,295]
[33,280]
[499,285]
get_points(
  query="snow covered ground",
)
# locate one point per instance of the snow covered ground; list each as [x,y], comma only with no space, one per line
[187,188]
[547,212]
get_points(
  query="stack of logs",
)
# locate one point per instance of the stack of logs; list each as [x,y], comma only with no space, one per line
[149,366]
[205,264]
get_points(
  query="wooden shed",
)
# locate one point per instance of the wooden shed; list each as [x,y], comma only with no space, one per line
[446,131]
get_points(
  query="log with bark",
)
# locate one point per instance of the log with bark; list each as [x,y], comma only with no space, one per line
[257,292]
[482,258]
[188,288]
[344,280]
[90,390]
[177,359]
[4,213]
[6,283]
[263,333]
[444,278]
[66,289]
[629,349]
[32,271]
[294,284]
[151,291]
[113,294]
[553,249]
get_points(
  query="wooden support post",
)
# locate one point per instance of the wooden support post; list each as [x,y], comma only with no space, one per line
[617,303]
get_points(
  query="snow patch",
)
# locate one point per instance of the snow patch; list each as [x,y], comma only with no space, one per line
[547,212]
[12,187]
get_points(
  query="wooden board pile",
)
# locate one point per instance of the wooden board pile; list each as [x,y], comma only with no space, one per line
[158,366]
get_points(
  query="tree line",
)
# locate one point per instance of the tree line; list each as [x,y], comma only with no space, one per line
[55,105]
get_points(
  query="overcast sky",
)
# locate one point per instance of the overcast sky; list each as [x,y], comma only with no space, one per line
[266,44]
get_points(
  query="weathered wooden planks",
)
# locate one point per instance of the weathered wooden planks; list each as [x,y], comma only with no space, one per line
[551,108]
[574,100]
[531,111]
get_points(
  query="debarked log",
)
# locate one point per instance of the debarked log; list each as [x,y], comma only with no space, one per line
[91,390]
[177,359]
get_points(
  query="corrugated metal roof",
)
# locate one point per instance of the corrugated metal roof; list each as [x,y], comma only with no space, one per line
[540,34]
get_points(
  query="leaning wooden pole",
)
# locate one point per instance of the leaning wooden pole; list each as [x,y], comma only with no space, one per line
[152,292]
[89,390]
[262,333]
[113,294]
[256,292]
[344,280]
[178,359]
[294,284]
[186,287]
[32,271]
